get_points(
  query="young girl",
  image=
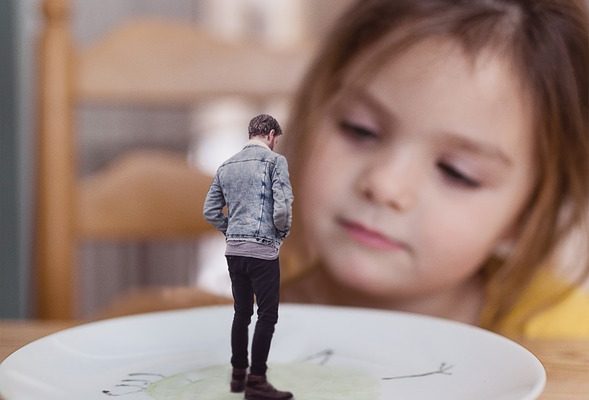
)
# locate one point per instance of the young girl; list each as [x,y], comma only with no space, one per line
[438,152]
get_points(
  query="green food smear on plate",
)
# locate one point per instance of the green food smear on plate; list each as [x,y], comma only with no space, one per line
[306,381]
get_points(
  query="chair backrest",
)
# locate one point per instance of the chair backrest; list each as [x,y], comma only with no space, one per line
[143,61]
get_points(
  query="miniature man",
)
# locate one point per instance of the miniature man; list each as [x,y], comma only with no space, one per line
[255,187]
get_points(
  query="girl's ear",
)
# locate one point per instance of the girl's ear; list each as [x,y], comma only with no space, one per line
[504,248]
[506,243]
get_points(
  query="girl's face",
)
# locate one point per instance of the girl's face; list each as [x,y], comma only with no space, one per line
[414,178]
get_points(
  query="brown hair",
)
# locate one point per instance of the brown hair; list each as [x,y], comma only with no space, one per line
[547,42]
[262,125]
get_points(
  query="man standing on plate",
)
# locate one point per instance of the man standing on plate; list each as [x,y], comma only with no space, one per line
[255,187]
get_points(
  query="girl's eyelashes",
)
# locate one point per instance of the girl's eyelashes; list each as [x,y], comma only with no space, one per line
[361,133]
[456,176]
[357,131]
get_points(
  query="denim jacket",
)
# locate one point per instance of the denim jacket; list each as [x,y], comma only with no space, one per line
[255,187]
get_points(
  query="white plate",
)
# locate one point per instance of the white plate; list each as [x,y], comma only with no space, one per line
[318,353]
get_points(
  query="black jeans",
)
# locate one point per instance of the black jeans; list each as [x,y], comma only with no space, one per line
[249,277]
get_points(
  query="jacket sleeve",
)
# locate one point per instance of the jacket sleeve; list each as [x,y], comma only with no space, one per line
[283,197]
[213,206]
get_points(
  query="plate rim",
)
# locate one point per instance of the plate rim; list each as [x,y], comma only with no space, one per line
[534,393]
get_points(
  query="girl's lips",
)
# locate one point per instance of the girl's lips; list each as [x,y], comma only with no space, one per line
[370,238]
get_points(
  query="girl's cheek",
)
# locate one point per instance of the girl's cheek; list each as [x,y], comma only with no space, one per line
[329,166]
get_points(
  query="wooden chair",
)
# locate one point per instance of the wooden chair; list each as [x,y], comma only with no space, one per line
[142,61]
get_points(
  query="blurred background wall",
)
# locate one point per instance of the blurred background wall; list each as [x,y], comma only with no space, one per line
[13,266]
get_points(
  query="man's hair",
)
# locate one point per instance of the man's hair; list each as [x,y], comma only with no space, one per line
[262,124]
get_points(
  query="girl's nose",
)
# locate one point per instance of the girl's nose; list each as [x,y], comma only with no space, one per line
[392,184]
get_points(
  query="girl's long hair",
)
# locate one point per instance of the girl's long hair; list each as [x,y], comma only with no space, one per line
[547,44]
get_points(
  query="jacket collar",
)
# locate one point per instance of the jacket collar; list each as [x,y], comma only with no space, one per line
[256,142]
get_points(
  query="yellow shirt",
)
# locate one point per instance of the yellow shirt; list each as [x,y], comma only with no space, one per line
[568,318]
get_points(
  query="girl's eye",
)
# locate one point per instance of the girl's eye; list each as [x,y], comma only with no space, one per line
[455,176]
[357,131]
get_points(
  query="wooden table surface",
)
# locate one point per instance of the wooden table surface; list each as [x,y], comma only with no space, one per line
[566,362]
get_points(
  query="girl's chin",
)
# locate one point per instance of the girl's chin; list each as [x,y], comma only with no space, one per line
[363,275]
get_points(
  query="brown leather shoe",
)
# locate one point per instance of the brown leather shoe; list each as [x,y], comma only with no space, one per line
[258,388]
[238,380]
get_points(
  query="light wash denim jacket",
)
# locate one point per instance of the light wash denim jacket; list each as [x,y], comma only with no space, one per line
[255,186]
